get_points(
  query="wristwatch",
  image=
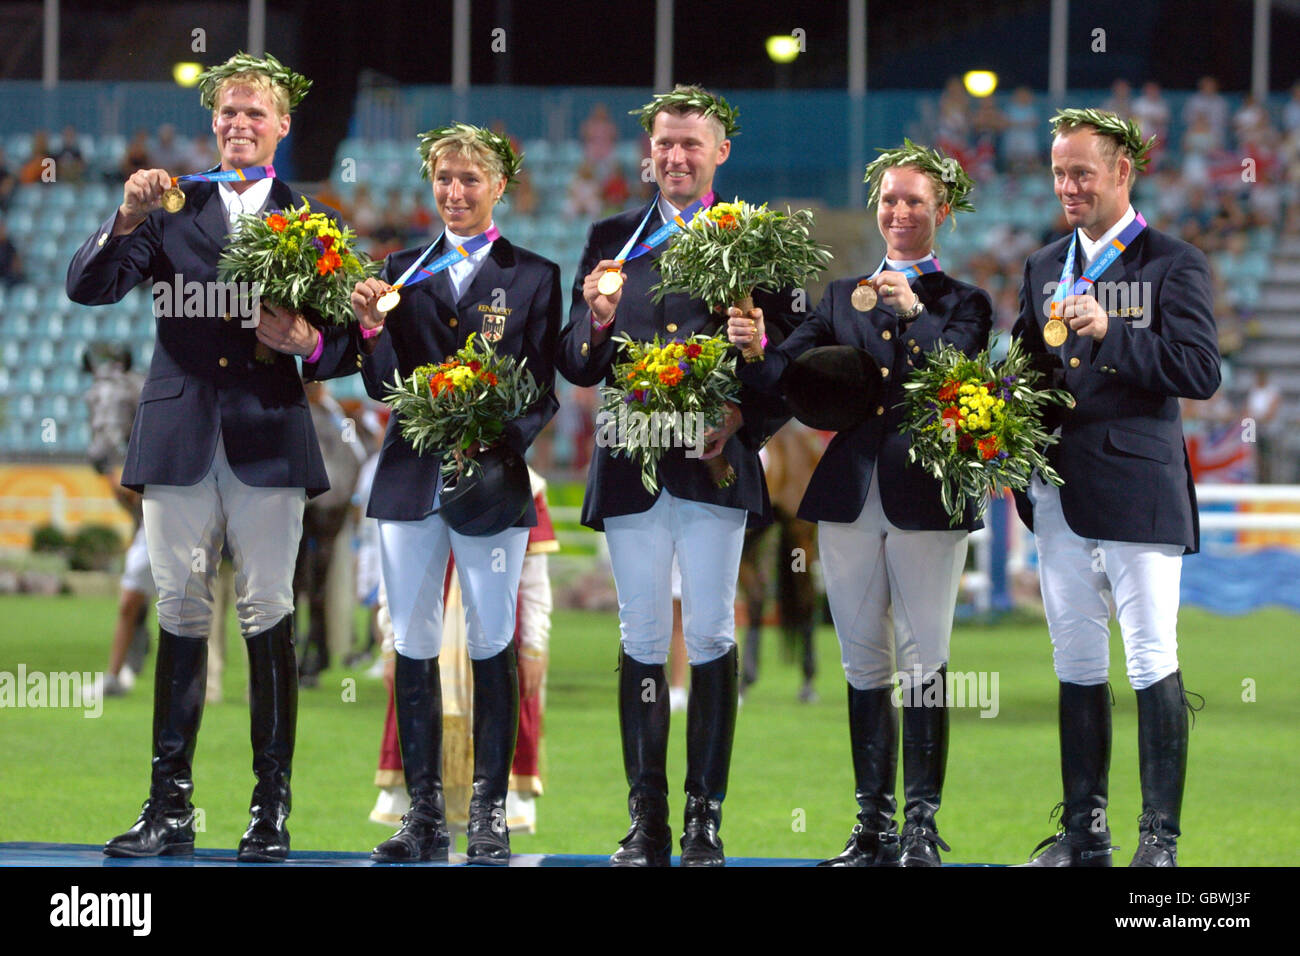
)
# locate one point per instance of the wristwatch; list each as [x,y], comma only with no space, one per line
[913,312]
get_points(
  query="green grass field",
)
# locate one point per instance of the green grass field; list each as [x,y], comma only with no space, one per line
[66,778]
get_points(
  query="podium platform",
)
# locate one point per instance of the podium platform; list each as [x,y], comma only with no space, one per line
[91,855]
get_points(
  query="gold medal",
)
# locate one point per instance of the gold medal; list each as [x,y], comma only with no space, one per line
[173,200]
[1055,333]
[388,301]
[863,298]
[610,282]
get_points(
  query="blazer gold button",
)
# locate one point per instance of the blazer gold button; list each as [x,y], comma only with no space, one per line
[1074,362]
[886,335]
[884,373]
[226,316]
[912,342]
[916,348]
[452,322]
[880,409]
[672,326]
[222,361]
[358,361]
[585,348]
[103,238]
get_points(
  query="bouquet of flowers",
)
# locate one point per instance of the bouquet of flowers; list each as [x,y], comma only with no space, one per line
[733,248]
[468,399]
[301,260]
[668,394]
[977,426]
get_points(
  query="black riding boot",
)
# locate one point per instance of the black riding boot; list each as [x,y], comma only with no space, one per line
[496,723]
[166,823]
[273,706]
[873,740]
[1162,758]
[417,698]
[643,714]
[1085,730]
[925,762]
[710,730]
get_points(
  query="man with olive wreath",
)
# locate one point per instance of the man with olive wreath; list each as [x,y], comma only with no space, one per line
[222,449]
[1112,538]
[700,522]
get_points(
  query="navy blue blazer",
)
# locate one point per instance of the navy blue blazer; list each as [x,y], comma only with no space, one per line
[515,302]
[614,484]
[1121,452]
[203,380]
[955,312]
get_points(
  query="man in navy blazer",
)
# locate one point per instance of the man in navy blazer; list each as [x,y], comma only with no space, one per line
[1125,313]
[702,523]
[223,449]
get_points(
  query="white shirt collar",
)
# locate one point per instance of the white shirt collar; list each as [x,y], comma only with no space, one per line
[251,200]
[900,265]
[1090,248]
[667,211]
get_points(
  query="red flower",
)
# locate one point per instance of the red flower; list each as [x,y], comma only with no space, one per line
[670,376]
[277,222]
[965,442]
[948,392]
[989,447]
[328,262]
[475,365]
[489,378]
[952,414]
[327,241]
[303,217]
[693,350]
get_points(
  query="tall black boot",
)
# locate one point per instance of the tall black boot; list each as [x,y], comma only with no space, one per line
[643,715]
[925,763]
[273,707]
[496,723]
[1162,759]
[417,697]
[1085,729]
[166,823]
[873,741]
[710,731]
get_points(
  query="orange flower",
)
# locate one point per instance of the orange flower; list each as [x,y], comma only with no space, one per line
[948,392]
[953,414]
[671,375]
[277,222]
[328,262]
[989,446]
[728,221]
[489,378]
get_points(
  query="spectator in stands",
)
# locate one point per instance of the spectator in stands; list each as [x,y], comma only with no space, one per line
[1152,113]
[201,155]
[614,191]
[172,154]
[987,125]
[1207,103]
[69,161]
[1264,406]
[599,135]
[34,168]
[1291,112]
[11,264]
[137,155]
[1199,143]
[1120,100]
[8,181]
[954,116]
[365,216]
[1251,121]
[525,198]
[1020,146]
[583,201]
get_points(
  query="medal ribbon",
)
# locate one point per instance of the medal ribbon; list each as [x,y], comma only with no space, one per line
[228,175]
[414,273]
[670,228]
[1108,255]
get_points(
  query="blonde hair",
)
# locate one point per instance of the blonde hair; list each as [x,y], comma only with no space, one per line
[465,143]
[261,83]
